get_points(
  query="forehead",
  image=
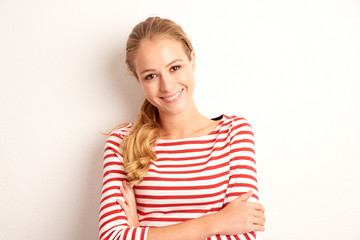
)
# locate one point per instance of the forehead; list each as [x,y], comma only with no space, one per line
[154,53]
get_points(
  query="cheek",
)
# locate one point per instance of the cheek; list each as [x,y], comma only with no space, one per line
[187,77]
[148,90]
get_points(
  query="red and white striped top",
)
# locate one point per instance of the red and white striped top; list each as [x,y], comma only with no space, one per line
[192,177]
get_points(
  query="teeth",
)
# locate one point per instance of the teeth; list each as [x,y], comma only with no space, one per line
[173,97]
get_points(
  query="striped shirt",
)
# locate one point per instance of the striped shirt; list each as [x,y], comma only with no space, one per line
[192,177]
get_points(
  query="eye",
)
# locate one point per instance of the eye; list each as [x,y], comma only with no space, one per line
[150,76]
[174,68]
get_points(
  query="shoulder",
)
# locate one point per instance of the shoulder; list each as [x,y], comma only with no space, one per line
[117,134]
[238,127]
[236,122]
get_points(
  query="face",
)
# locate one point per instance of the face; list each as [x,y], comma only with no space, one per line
[165,74]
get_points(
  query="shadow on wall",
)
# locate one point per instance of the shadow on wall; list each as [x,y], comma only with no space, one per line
[124,86]
[124,94]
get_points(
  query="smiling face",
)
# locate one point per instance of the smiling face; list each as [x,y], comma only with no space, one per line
[165,74]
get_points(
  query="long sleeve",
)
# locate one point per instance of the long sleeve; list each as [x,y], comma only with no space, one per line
[113,223]
[242,162]
[242,167]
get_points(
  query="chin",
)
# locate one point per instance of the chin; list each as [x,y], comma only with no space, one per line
[174,110]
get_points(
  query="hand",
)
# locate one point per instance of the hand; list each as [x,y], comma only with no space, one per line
[240,216]
[129,206]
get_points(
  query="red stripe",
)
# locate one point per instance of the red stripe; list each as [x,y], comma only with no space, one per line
[106,156]
[169,205]
[209,177]
[133,234]
[108,205]
[116,144]
[104,233]
[110,196]
[110,188]
[159,219]
[207,168]
[238,194]
[247,237]
[181,211]
[117,171]
[242,167]
[241,133]
[241,125]
[191,150]
[113,179]
[243,185]
[117,211]
[199,158]
[199,163]
[180,142]
[142,236]
[243,158]
[201,187]
[126,231]
[244,149]
[181,196]
[243,141]
[217,141]
[112,149]
[111,220]
[243,176]
[117,164]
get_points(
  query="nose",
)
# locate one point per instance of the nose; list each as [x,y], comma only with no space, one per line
[167,83]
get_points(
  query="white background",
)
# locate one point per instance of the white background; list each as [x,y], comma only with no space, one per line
[292,68]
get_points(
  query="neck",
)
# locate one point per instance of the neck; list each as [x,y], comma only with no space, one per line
[182,125]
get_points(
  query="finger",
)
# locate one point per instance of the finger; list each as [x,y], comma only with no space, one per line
[259,207]
[258,228]
[259,214]
[245,196]
[126,196]
[123,205]
[256,206]
[129,190]
[257,221]
[125,185]
[131,200]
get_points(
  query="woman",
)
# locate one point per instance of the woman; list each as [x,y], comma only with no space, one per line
[193,177]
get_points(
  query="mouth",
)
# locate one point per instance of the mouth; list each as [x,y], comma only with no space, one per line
[173,98]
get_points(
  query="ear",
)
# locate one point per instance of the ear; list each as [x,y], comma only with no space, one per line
[193,60]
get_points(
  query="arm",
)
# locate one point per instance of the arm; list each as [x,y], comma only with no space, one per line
[243,174]
[203,227]
[113,224]
[238,217]
[247,217]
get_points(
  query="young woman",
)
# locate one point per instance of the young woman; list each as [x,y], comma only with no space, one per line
[175,174]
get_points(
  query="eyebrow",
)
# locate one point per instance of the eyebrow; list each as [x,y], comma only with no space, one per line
[172,62]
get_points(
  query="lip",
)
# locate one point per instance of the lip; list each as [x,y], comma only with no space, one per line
[171,99]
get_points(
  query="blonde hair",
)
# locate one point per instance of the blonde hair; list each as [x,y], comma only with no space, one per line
[137,146]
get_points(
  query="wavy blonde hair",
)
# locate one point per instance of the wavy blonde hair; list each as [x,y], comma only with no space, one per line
[137,146]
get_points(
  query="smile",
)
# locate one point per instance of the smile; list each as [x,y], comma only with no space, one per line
[174,97]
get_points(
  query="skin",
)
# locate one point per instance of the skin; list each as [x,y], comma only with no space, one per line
[163,70]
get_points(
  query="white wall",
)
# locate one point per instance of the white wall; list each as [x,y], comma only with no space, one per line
[290,67]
